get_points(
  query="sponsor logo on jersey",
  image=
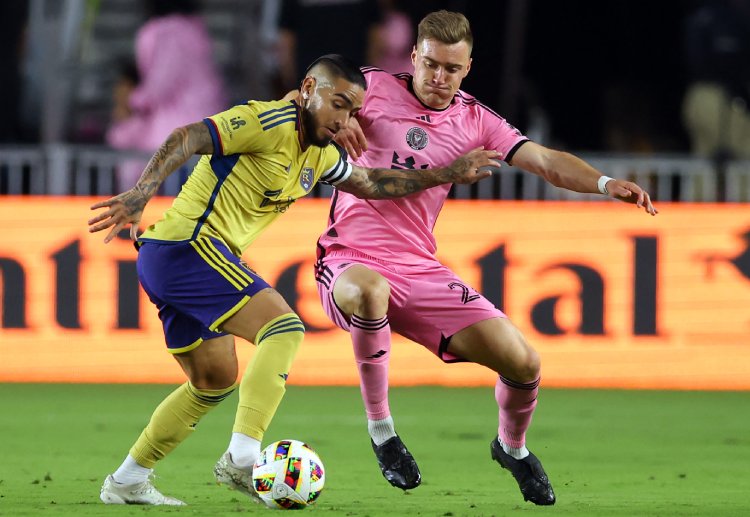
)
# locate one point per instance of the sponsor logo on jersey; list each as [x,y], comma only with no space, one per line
[237,122]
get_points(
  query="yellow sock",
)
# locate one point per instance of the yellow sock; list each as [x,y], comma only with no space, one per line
[264,381]
[173,421]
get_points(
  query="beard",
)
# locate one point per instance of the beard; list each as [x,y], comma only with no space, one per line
[310,129]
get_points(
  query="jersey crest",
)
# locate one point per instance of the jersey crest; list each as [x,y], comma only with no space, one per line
[417,138]
[306,178]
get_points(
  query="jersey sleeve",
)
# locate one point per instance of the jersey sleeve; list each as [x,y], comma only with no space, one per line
[499,134]
[234,131]
[336,167]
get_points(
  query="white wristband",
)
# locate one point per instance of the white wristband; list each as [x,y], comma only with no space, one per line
[602,184]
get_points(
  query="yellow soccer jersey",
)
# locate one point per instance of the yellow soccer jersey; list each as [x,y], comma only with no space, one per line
[257,171]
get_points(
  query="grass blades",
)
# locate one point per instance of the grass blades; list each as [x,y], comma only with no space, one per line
[608,453]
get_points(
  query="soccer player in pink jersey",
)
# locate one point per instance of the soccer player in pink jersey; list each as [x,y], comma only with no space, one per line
[390,280]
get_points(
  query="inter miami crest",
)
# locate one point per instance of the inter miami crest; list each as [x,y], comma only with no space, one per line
[417,139]
[306,178]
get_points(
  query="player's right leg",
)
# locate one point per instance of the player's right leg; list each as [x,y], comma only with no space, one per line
[356,298]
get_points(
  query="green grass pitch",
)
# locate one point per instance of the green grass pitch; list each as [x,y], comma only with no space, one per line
[608,453]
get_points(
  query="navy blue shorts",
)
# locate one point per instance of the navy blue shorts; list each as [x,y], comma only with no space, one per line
[196,285]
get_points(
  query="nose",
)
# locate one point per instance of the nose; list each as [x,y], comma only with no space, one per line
[342,121]
[439,76]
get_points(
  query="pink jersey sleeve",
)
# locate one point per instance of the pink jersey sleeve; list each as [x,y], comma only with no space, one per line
[497,133]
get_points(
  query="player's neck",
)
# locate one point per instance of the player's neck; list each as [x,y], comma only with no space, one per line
[301,132]
[301,137]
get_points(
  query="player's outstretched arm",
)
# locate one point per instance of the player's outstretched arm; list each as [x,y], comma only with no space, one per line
[567,171]
[127,208]
[389,183]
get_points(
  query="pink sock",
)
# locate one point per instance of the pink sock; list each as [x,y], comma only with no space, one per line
[516,403]
[372,350]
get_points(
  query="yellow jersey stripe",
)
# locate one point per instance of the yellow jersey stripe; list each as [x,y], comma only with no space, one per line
[218,259]
[218,268]
[241,275]
[186,348]
[231,312]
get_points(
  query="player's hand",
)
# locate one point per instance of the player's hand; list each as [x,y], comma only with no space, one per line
[352,139]
[631,193]
[468,168]
[122,210]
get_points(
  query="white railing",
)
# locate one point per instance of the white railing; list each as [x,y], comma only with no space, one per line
[62,169]
[665,177]
[738,181]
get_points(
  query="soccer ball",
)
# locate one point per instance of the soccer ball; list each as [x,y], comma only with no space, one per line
[288,475]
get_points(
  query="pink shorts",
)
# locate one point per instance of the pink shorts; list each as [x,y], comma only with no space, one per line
[428,304]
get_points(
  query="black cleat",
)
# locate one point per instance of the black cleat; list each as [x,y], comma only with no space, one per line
[397,463]
[531,478]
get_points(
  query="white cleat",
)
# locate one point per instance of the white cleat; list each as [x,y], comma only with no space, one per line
[138,493]
[229,474]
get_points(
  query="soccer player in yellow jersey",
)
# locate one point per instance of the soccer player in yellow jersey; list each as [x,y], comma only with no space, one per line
[258,159]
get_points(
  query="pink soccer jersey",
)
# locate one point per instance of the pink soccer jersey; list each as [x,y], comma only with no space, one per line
[403,133]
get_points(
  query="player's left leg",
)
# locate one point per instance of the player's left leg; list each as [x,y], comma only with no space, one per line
[355,295]
[268,321]
[497,344]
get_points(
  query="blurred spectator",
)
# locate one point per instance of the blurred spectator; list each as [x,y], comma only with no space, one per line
[13,17]
[347,27]
[127,81]
[392,47]
[178,82]
[715,107]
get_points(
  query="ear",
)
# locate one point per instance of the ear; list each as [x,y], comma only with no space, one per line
[308,87]
[468,67]
[414,55]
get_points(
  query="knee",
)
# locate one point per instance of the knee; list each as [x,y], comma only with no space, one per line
[528,369]
[533,366]
[374,296]
[367,297]
[217,378]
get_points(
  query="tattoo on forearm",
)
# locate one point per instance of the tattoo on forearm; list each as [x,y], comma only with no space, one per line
[386,184]
[181,144]
[390,183]
[383,183]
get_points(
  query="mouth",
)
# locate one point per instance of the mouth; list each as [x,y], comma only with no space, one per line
[330,132]
[437,88]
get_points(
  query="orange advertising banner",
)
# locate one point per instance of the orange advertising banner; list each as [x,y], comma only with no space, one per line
[609,296]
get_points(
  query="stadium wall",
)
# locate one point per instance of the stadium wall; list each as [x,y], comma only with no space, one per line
[608,295]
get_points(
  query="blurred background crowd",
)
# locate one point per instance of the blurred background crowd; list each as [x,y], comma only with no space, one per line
[620,76]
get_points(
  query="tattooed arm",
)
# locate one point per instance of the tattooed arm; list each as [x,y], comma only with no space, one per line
[127,208]
[389,183]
